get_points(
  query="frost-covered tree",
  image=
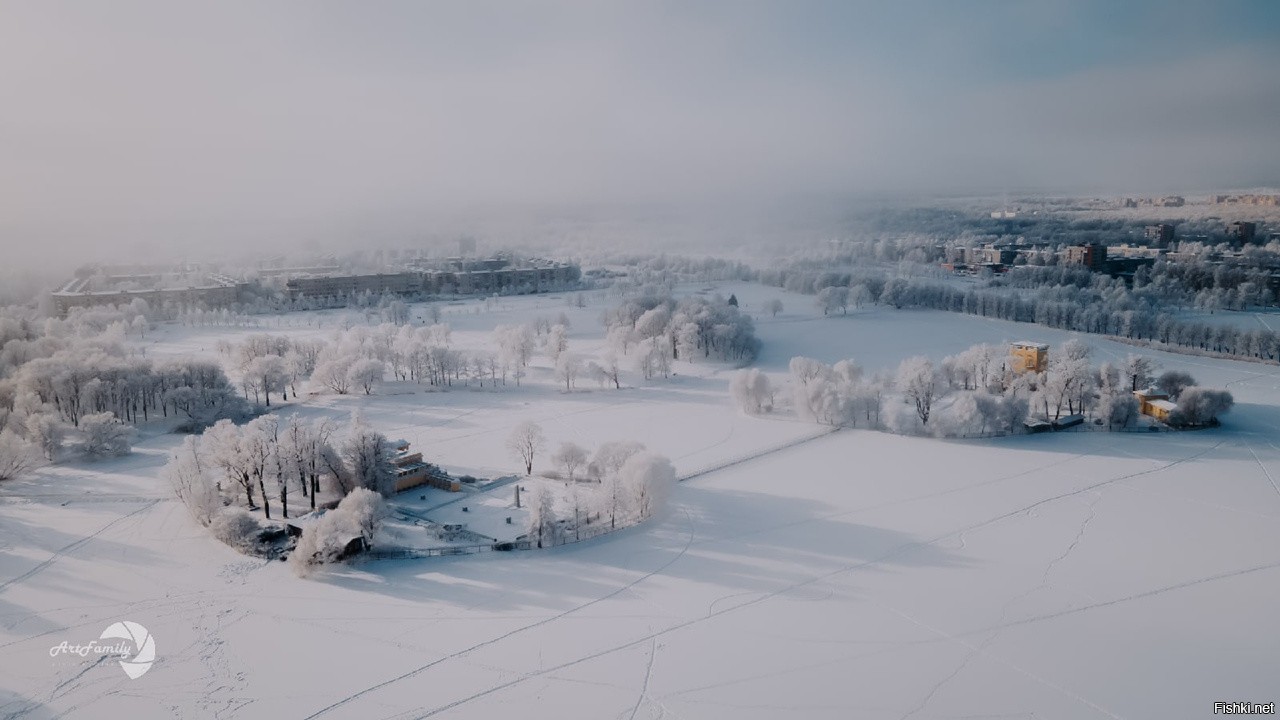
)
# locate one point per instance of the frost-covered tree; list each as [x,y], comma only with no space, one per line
[570,457]
[525,442]
[543,524]
[1117,407]
[1173,382]
[752,391]
[918,383]
[105,435]
[611,456]
[334,373]
[515,347]
[268,374]
[557,341]
[610,369]
[653,322]
[654,357]
[17,456]
[323,541]
[223,447]
[833,298]
[259,441]
[189,478]
[366,373]
[568,368]
[368,456]
[1201,406]
[648,479]
[1138,370]
[620,338]
[773,307]
[47,431]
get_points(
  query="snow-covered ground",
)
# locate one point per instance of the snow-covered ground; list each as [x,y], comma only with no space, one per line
[860,574]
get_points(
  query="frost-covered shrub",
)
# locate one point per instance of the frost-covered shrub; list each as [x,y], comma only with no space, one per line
[752,391]
[236,527]
[17,456]
[105,435]
[325,540]
[648,478]
[1201,406]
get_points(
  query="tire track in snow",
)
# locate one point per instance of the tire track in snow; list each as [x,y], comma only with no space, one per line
[858,566]
[648,673]
[1136,596]
[517,631]
[1265,471]
[1004,611]
[75,545]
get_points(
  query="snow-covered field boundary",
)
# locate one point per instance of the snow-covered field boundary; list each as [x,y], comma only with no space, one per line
[716,467]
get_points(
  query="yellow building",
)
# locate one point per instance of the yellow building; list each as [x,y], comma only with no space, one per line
[1029,356]
[1155,404]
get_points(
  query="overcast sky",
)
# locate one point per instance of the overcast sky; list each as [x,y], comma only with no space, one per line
[141,124]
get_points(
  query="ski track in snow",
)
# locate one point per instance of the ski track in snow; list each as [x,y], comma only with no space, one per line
[70,548]
[512,633]
[840,571]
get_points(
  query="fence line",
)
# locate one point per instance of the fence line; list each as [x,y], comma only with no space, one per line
[566,537]
[1083,427]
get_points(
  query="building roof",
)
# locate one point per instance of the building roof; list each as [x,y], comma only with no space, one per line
[1029,344]
[1164,405]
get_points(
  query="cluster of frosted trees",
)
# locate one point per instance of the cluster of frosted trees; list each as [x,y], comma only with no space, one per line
[75,379]
[360,358]
[357,359]
[657,329]
[975,392]
[621,483]
[1061,297]
[269,461]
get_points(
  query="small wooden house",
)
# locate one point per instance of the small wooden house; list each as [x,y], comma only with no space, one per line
[1156,404]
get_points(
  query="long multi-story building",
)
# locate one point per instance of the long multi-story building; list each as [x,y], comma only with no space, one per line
[92,288]
[1265,200]
[330,287]
[455,276]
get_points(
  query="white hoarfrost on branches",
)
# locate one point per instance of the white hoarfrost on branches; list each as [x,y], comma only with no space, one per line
[1201,406]
[544,526]
[17,456]
[326,540]
[648,479]
[525,442]
[752,390]
[570,458]
[192,482]
[918,382]
[105,435]
[368,456]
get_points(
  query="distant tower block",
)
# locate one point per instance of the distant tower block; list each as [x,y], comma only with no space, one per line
[466,246]
[1029,356]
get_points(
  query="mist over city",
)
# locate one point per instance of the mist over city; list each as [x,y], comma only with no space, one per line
[579,360]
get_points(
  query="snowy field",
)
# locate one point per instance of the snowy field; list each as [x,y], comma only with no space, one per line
[856,575]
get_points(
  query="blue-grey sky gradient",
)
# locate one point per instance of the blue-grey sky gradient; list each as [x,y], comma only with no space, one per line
[248,121]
